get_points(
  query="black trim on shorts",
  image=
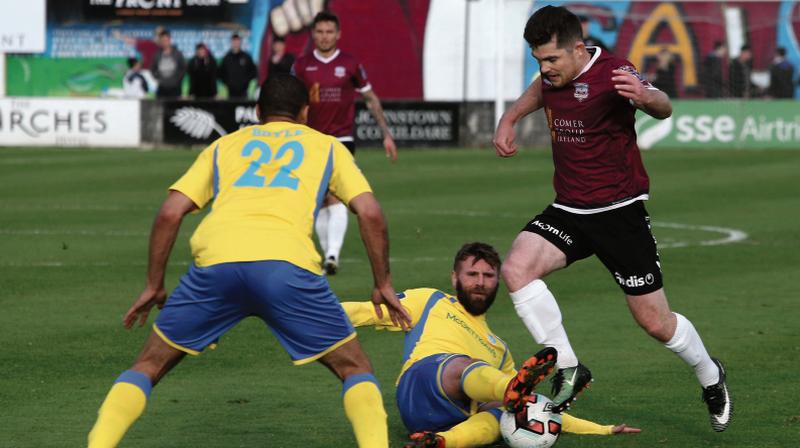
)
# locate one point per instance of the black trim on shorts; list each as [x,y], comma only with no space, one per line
[621,238]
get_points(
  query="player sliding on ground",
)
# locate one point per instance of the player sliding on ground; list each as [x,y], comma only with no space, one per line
[457,373]
[253,255]
[590,98]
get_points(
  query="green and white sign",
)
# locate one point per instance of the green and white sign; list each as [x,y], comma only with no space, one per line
[753,124]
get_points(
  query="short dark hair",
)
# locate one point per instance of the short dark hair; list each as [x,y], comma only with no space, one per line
[164,32]
[235,36]
[132,62]
[745,48]
[780,51]
[282,94]
[550,21]
[325,16]
[481,251]
[718,44]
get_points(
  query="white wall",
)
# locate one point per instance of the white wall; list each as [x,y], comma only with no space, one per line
[443,59]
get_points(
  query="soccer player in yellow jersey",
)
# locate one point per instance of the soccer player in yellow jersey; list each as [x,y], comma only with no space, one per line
[253,255]
[456,371]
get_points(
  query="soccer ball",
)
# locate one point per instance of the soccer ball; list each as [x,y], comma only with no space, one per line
[535,427]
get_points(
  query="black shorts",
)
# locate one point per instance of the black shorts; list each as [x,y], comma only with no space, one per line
[621,239]
[350,145]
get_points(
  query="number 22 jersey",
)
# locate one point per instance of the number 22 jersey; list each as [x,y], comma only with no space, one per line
[265,185]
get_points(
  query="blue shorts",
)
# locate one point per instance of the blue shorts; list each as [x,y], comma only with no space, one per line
[422,402]
[298,306]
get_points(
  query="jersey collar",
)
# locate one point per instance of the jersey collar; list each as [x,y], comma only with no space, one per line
[325,60]
[597,51]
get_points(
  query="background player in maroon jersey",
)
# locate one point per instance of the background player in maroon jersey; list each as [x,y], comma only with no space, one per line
[333,78]
[590,97]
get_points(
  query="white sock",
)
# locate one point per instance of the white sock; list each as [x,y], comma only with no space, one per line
[538,309]
[321,225]
[686,343]
[337,227]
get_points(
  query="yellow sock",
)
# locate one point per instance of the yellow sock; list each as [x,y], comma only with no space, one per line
[124,403]
[482,382]
[363,406]
[480,429]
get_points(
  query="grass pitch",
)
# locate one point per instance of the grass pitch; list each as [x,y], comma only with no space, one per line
[74,227]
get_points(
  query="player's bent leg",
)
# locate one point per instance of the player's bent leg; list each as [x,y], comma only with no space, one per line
[677,333]
[128,396]
[482,383]
[531,257]
[363,403]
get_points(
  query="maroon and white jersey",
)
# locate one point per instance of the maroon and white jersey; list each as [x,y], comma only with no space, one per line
[597,162]
[332,85]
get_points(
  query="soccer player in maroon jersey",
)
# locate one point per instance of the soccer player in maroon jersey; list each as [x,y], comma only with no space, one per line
[333,78]
[590,97]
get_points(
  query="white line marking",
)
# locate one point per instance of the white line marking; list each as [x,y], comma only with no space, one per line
[729,236]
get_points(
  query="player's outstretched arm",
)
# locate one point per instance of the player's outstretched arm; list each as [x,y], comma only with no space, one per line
[529,101]
[577,425]
[374,105]
[374,233]
[652,102]
[162,237]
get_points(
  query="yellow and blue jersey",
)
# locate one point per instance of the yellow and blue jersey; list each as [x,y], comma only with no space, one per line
[440,329]
[265,185]
[440,324]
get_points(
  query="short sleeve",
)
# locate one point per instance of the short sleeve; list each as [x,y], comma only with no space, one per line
[346,181]
[628,67]
[198,182]
[360,80]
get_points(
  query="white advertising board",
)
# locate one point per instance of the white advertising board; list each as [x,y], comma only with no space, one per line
[22,26]
[69,122]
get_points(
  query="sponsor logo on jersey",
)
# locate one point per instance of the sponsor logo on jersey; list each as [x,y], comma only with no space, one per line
[311,68]
[581,91]
[635,281]
[463,324]
[339,72]
[563,236]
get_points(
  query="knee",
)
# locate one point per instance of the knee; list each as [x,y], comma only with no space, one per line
[515,275]
[346,361]
[658,327]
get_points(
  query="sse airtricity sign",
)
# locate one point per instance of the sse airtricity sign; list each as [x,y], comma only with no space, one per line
[750,124]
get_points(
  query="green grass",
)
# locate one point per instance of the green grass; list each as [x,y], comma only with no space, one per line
[73,233]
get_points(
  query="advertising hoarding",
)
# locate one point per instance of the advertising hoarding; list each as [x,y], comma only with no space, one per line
[69,122]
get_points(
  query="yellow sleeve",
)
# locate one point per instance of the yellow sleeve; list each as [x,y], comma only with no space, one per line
[508,362]
[579,426]
[198,182]
[363,313]
[346,181]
